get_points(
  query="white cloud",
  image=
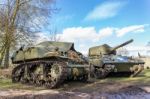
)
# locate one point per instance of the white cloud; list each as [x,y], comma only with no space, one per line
[91,34]
[105,32]
[40,37]
[77,33]
[84,34]
[105,10]
[130,29]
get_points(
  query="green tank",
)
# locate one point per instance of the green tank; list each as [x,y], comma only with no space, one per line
[104,61]
[49,64]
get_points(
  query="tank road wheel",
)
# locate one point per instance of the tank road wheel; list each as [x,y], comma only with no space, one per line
[136,70]
[32,80]
[17,73]
[24,75]
[38,74]
[100,73]
[38,81]
[34,71]
[23,80]
[57,74]
[84,78]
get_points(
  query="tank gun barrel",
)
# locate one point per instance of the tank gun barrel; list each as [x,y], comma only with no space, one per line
[123,44]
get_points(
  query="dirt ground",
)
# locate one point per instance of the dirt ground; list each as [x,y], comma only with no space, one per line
[109,88]
[79,90]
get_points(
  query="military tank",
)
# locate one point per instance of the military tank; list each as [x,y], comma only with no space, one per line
[49,64]
[104,60]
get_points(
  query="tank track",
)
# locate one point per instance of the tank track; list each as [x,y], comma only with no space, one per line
[100,72]
[28,73]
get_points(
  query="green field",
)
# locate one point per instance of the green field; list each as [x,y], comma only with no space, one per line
[142,79]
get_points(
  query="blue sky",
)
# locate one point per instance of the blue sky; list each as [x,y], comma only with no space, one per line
[94,22]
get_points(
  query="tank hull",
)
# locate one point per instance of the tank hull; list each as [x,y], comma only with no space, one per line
[110,65]
[124,66]
[49,64]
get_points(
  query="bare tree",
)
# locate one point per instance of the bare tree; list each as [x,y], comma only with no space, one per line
[19,20]
[53,35]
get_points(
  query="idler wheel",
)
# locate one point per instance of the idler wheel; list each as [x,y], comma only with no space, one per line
[136,70]
[16,74]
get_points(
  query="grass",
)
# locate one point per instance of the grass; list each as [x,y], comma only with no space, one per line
[7,84]
[142,79]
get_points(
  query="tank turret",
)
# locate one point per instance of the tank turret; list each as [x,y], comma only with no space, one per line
[106,49]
